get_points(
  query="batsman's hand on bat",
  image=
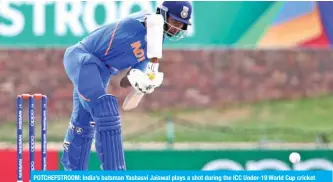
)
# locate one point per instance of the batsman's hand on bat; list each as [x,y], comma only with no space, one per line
[145,82]
[154,74]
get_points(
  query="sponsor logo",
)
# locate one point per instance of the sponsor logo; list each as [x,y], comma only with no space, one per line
[32,143]
[32,117]
[269,164]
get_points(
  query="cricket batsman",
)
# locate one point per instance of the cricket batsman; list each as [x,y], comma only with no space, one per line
[133,42]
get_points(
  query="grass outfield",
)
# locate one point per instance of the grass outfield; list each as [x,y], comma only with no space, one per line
[291,121]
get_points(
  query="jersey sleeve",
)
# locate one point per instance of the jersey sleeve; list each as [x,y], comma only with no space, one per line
[141,65]
[154,25]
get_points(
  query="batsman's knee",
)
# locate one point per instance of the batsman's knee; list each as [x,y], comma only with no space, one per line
[77,147]
[93,103]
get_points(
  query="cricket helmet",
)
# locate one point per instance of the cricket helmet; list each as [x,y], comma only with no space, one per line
[180,11]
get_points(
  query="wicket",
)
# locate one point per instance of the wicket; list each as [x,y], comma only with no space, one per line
[19,122]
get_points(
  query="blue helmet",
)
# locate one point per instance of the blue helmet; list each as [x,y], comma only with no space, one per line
[177,10]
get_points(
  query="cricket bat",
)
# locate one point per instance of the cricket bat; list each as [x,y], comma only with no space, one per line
[132,100]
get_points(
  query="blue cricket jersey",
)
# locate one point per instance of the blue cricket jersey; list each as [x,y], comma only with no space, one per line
[122,44]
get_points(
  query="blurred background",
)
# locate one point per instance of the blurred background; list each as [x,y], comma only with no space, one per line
[251,82]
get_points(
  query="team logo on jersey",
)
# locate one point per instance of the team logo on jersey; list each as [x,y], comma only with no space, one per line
[184,13]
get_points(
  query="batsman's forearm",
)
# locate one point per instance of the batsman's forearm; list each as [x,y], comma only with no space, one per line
[154,60]
[124,82]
